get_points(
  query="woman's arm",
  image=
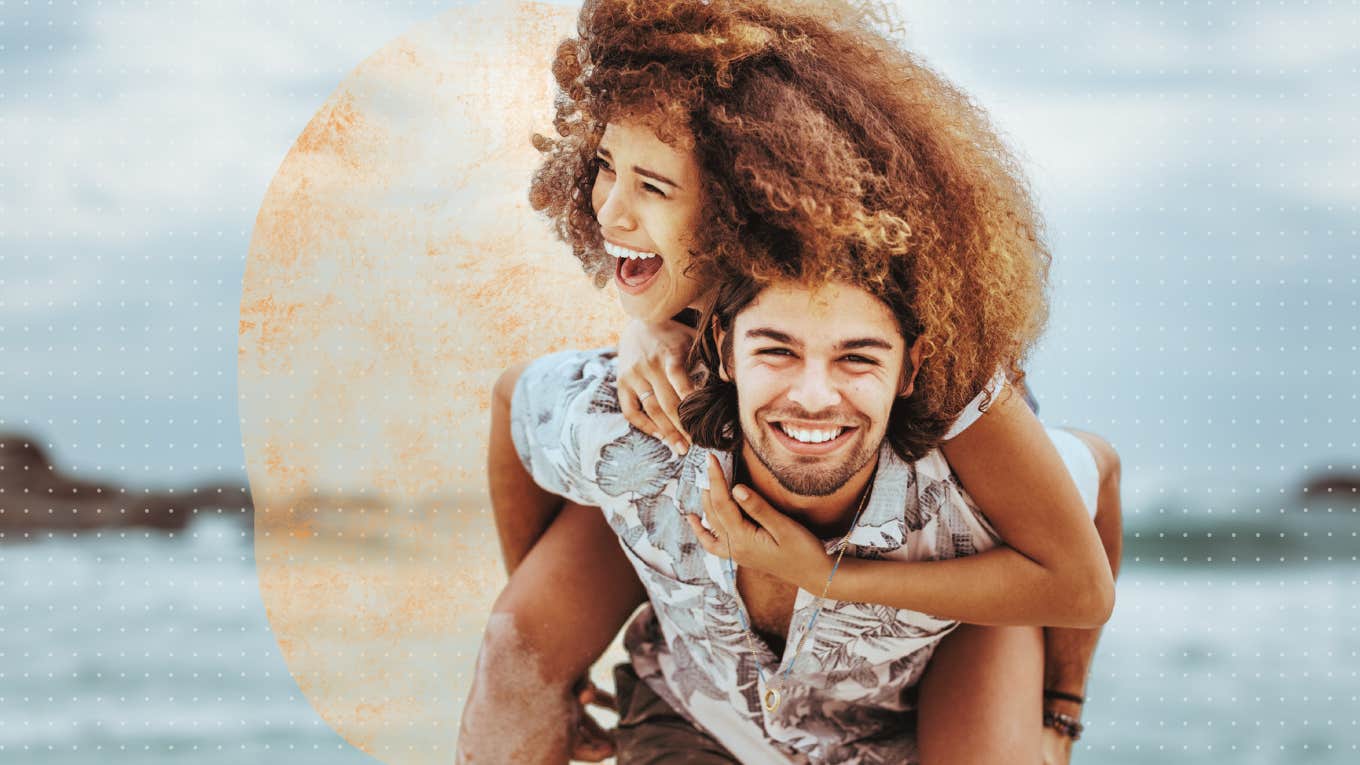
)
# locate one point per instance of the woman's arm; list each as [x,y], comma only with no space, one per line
[1053,571]
[996,587]
[1011,469]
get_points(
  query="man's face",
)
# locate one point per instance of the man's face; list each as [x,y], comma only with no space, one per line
[817,372]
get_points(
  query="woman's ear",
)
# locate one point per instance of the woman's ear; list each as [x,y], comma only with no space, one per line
[914,358]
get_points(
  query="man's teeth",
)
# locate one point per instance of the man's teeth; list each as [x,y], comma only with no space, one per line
[623,252]
[810,436]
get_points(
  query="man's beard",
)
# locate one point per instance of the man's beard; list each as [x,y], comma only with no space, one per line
[815,477]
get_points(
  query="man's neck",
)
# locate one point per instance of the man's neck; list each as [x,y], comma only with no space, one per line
[827,517]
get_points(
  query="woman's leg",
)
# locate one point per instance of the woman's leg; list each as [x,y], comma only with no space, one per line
[559,612]
[978,699]
[571,589]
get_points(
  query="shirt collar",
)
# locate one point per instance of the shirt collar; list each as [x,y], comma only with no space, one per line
[883,524]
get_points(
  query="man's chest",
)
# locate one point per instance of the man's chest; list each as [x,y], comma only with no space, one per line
[769,601]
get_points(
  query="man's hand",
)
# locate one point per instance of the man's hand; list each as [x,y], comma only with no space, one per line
[589,741]
[775,543]
[1057,748]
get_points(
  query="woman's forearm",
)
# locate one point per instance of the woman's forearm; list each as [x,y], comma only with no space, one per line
[996,587]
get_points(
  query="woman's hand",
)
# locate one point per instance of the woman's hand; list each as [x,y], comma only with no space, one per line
[775,543]
[653,379]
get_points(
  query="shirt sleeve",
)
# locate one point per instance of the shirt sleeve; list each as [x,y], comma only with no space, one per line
[564,404]
[979,405]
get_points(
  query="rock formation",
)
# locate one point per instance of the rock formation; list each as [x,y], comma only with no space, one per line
[35,496]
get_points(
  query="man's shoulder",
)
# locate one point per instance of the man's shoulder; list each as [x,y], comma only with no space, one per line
[583,382]
[598,365]
[575,442]
[894,471]
[564,408]
[920,510]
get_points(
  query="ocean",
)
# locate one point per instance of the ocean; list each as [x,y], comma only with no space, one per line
[141,647]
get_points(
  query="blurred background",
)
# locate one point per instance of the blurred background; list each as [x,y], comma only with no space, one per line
[202,204]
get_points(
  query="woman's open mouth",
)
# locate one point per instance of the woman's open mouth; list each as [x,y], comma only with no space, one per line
[812,441]
[633,270]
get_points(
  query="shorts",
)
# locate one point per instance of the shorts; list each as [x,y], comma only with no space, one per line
[1081,464]
[650,732]
[1075,454]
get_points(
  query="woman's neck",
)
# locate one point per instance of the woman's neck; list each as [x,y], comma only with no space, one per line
[692,313]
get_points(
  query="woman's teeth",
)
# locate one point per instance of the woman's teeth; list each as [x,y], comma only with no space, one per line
[810,436]
[623,252]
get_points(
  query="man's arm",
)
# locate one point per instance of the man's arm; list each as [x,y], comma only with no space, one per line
[1068,652]
[555,617]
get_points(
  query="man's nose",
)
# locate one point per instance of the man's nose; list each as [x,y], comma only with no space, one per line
[616,212]
[815,389]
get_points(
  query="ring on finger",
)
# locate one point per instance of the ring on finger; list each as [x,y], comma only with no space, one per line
[643,396]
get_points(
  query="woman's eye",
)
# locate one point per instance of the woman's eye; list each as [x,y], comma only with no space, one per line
[860,360]
[603,165]
[775,352]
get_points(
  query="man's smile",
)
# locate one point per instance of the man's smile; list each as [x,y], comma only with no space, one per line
[810,439]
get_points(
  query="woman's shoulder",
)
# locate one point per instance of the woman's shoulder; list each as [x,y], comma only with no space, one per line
[979,405]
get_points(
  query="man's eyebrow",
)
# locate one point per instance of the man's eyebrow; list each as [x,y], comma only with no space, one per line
[770,333]
[865,342]
[644,171]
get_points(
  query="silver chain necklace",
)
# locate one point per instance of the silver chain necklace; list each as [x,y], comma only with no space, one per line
[772,695]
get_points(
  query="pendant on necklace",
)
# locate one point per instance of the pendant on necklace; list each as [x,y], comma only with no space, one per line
[771,699]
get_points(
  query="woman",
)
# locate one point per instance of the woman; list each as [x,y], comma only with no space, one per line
[702,136]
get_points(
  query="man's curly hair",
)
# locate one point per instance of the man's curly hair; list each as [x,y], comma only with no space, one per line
[827,152]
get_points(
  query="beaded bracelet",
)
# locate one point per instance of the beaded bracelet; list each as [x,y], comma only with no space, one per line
[1064,724]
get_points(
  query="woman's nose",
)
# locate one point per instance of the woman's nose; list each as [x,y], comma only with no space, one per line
[614,212]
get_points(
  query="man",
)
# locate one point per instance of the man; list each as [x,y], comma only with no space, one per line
[811,376]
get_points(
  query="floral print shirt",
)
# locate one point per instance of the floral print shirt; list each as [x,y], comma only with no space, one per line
[847,698]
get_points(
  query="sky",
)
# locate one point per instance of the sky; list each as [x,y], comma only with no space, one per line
[1197,164]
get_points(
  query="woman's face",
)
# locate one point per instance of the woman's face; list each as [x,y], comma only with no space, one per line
[647,200]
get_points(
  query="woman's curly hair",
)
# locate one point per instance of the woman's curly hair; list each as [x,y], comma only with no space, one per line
[827,152]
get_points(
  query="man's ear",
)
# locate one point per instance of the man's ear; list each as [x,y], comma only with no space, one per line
[718,336]
[914,358]
[722,363]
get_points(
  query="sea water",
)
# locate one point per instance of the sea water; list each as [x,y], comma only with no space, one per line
[140,647]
